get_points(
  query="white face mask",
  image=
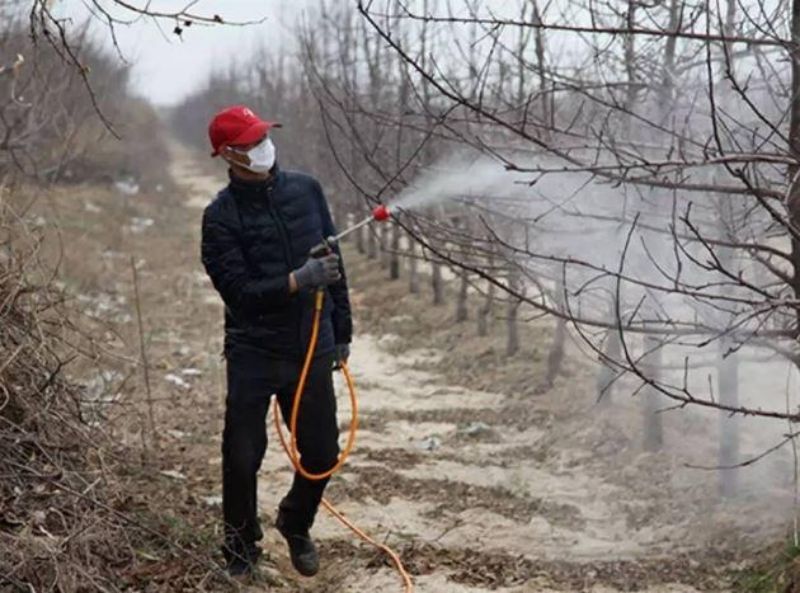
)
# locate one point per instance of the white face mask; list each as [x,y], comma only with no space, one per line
[262,157]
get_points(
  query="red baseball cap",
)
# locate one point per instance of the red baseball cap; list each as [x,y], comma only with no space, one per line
[237,125]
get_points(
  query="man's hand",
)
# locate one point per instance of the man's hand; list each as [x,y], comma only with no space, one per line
[342,354]
[316,272]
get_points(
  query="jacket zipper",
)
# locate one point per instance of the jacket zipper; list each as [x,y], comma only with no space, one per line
[288,255]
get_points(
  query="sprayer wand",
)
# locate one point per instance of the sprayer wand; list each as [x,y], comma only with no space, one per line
[379,214]
[355,227]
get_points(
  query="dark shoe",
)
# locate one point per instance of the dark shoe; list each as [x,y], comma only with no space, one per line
[242,563]
[302,550]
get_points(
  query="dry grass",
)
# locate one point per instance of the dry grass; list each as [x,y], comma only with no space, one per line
[59,526]
[82,502]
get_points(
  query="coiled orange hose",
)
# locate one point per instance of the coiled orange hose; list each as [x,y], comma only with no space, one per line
[290,447]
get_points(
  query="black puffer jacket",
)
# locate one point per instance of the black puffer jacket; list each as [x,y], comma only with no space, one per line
[254,234]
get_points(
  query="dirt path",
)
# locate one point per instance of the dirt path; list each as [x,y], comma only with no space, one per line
[477,490]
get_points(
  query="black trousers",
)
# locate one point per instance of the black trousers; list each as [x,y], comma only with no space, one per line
[252,379]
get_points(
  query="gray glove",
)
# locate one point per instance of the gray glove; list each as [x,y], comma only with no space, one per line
[342,352]
[319,271]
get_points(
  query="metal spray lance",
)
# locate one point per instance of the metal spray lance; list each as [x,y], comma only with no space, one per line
[379,214]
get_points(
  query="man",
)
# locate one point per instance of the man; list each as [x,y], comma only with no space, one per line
[257,234]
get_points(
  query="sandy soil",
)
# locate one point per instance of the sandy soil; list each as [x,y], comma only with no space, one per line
[479,485]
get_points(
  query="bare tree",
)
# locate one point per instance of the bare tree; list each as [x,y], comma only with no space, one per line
[646,119]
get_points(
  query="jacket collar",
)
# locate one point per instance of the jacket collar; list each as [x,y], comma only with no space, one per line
[255,189]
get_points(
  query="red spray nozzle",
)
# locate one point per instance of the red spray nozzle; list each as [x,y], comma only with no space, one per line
[381,213]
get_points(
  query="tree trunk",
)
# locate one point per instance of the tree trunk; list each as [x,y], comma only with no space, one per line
[728,381]
[728,362]
[383,244]
[437,283]
[360,241]
[394,256]
[372,244]
[556,355]
[793,202]
[512,336]
[629,53]
[653,426]
[485,311]
[607,374]
[667,83]
[540,47]
[413,267]
[461,302]
[512,329]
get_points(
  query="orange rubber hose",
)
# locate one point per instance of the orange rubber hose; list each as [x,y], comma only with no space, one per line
[290,447]
[319,297]
[398,564]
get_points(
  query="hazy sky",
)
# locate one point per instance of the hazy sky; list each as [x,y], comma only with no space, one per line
[166,68]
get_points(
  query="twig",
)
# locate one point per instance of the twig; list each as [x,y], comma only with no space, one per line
[143,354]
